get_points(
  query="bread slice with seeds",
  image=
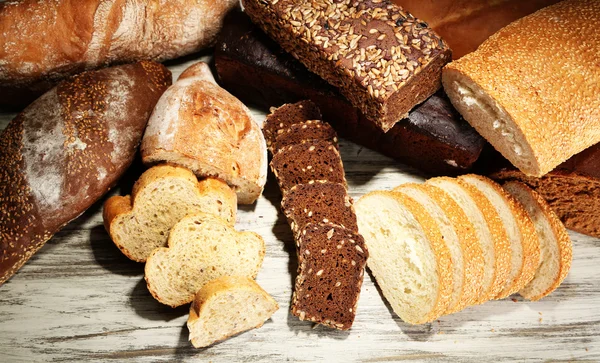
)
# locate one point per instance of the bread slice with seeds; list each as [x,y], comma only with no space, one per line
[285,116]
[556,246]
[331,267]
[302,132]
[301,163]
[461,239]
[202,247]
[407,255]
[490,232]
[524,242]
[318,202]
[163,195]
[227,306]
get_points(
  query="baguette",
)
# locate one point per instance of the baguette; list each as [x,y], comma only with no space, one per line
[67,149]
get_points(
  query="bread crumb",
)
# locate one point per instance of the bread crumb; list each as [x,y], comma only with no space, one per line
[514,300]
[540,313]
[540,320]
[441,332]
[492,330]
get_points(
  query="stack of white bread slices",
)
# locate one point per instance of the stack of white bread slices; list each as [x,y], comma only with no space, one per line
[438,247]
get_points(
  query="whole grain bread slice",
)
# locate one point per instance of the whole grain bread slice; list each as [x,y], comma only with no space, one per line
[202,247]
[285,116]
[302,132]
[227,306]
[163,195]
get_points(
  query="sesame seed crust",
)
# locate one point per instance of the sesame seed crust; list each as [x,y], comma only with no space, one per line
[372,50]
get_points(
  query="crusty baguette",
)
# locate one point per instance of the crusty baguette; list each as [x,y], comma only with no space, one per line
[202,247]
[161,197]
[87,34]
[199,125]
[556,246]
[532,89]
[67,149]
[227,306]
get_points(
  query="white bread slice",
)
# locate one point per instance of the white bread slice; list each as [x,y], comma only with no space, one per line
[556,246]
[227,306]
[202,247]
[160,198]
[490,232]
[525,244]
[407,255]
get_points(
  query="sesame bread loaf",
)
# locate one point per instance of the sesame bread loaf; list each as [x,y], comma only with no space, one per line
[524,241]
[514,80]
[318,202]
[379,56]
[556,246]
[301,163]
[331,265]
[283,117]
[227,306]
[302,132]
[200,126]
[201,248]
[67,149]
[161,197]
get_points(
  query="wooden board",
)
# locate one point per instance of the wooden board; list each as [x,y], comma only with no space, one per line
[80,299]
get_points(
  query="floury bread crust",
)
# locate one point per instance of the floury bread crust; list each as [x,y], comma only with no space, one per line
[532,89]
[379,56]
[67,149]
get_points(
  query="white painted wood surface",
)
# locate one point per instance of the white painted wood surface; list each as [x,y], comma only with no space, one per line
[80,299]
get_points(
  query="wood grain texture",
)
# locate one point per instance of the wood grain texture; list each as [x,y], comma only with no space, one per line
[80,299]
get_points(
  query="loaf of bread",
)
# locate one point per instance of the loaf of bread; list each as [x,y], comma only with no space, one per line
[198,125]
[162,196]
[201,248]
[434,138]
[380,57]
[531,89]
[227,306]
[44,41]
[67,149]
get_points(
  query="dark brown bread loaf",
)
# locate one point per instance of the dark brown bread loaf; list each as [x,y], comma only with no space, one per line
[379,56]
[67,149]
[285,116]
[318,202]
[331,266]
[301,163]
[434,138]
[304,132]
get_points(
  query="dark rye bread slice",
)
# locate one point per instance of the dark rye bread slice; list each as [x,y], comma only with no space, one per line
[318,202]
[331,266]
[285,116]
[301,163]
[299,133]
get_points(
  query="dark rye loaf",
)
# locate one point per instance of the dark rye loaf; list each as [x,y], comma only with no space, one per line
[67,149]
[302,132]
[301,163]
[318,202]
[331,266]
[434,138]
[382,59]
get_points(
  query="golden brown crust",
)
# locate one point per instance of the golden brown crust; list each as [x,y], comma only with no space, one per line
[160,172]
[113,207]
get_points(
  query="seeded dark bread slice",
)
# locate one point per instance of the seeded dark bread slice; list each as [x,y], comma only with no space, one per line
[331,264]
[303,132]
[301,163]
[285,116]
[318,202]
[525,244]
[556,246]
[407,255]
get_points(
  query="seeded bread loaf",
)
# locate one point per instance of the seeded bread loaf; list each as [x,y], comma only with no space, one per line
[201,248]
[227,306]
[379,56]
[302,132]
[200,126]
[513,89]
[161,197]
[331,265]
[67,149]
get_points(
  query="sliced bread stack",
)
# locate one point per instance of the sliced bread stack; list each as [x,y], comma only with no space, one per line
[438,247]
[331,254]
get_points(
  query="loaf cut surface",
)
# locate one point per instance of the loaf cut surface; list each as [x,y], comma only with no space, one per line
[513,89]
[201,248]
[299,133]
[287,115]
[331,265]
[162,196]
[227,306]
